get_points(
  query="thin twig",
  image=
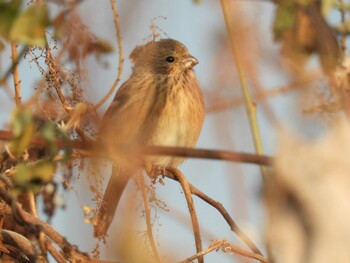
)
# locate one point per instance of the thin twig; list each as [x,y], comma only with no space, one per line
[222,211]
[10,69]
[187,191]
[204,154]
[121,58]
[16,80]
[343,35]
[234,227]
[250,105]
[214,246]
[50,62]
[56,254]
[21,243]
[268,93]
[142,185]
[227,248]
[27,201]
[6,87]
[42,239]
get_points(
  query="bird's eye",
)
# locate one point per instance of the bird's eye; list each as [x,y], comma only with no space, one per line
[170,59]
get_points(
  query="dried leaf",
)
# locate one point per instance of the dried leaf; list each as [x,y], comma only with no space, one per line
[305,33]
[294,57]
[23,129]
[79,110]
[344,28]
[30,26]
[327,43]
[87,210]
[100,46]
[2,45]
[50,132]
[60,25]
[326,6]
[8,13]
[284,18]
[32,176]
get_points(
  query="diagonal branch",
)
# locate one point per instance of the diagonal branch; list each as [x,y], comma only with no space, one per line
[24,248]
[227,248]
[121,58]
[221,209]
[187,191]
[16,80]
[142,186]
[250,105]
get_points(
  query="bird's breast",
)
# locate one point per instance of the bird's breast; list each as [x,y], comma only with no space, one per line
[180,119]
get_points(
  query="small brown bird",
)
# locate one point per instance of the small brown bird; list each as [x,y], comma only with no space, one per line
[160,104]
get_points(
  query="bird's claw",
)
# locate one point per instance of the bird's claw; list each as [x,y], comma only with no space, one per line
[156,170]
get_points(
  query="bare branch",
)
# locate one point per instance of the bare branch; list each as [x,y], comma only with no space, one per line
[169,173]
[50,61]
[227,248]
[142,186]
[25,249]
[299,83]
[121,58]
[187,191]
[16,80]
[56,254]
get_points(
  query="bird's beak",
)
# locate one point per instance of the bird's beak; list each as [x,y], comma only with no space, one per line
[190,62]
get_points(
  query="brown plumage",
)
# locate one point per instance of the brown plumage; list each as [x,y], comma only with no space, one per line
[160,104]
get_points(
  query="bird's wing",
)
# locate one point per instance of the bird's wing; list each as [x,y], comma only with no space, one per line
[128,111]
[122,123]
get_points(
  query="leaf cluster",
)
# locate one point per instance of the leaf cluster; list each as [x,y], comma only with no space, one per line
[25,26]
[31,172]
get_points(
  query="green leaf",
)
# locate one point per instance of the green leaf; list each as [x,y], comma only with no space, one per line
[2,45]
[23,129]
[50,132]
[43,171]
[326,6]
[284,18]
[8,13]
[30,26]
[33,176]
[344,28]
[101,46]
[60,25]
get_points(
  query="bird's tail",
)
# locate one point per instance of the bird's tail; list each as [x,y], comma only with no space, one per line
[115,188]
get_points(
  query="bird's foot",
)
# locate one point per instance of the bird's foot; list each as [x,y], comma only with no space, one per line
[155,171]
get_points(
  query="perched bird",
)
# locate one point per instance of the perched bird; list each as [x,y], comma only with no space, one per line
[160,104]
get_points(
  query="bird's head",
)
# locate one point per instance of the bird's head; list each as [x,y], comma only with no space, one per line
[166,56]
